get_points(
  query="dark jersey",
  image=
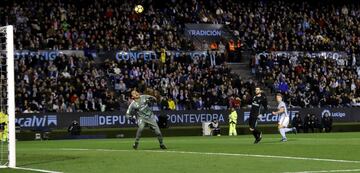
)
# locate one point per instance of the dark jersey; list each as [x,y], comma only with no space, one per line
[258,105]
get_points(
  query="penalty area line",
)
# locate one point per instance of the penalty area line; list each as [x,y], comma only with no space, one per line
[218,154]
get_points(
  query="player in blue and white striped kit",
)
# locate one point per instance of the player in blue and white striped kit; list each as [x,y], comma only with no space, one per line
[284,118]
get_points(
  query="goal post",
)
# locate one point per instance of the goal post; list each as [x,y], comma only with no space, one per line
[7,104]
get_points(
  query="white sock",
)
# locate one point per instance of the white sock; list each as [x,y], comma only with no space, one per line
[282,133]
[288,130]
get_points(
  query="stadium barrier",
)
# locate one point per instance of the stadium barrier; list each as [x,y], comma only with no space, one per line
[146,55]
[117,119]
[101,56]
[46,54]
[336,55]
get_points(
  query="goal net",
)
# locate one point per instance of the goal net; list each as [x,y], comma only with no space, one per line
[7,98]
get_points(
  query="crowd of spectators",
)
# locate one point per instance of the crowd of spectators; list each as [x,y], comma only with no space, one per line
[289,25]
[94,24]
[313,123]
[76,84]
[261,25]
[183,83]
[67,84]
[311,82]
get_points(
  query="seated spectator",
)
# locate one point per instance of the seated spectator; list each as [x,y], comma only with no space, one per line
[316,88]
[355,102]
[215,127]
[199,104]
[237,103]
[74,129]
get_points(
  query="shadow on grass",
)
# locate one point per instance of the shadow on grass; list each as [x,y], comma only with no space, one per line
[45,160]
[157,148]
[277,141]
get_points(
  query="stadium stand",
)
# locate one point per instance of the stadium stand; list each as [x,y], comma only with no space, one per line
[78,83]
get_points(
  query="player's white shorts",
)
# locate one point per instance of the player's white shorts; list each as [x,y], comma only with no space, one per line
[284,121]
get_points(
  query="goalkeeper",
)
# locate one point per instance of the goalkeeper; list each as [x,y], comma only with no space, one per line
[140,112]
[3,127]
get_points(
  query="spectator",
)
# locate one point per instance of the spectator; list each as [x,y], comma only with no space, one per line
[312,123]
[327,122]
[318,124]
[199,104]
[297,122]
[164,104]
[237,103]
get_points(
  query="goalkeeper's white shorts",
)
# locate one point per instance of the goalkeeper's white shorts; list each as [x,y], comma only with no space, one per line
[284,121]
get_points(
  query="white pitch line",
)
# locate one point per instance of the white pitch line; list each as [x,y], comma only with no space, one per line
[35,170]
[219,154]
[345,170]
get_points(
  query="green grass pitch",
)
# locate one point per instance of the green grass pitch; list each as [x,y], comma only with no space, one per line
[303,152]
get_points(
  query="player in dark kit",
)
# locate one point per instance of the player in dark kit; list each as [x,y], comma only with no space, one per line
[258,106]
